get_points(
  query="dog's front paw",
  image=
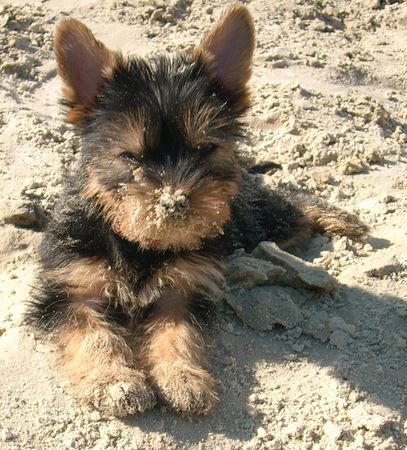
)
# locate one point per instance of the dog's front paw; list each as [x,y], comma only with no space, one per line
[121,398]
[188,390]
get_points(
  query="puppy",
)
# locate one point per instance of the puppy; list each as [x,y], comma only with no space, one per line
[131,261]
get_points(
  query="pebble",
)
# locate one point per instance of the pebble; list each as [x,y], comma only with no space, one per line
[379,266]
[247,272]
[95,416]
[337,323]
[299,347]
[361,418]
[294,429]
[332,431]
[299,273]
[5,435]
[262,307]
[400,342]
[374,4]
[251,411]
[19,213]
[275,445]
[339,339]
[261,432]
[352,167]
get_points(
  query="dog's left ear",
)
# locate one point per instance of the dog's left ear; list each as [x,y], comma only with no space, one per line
[229,47]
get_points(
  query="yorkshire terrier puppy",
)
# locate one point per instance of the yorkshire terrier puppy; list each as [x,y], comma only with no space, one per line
[132,257]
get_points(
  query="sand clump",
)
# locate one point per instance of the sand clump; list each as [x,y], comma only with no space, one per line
[310,350]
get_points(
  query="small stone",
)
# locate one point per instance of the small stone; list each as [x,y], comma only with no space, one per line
[298,347]
[337,323]
[374,156]
[261,308]
[275,445]
[339,339]
[389,199]
[69,443]
[299,273]
[20,214]
[251,410]
[379,266]
[400,342]
[373,4]
[95,416]
[261,432]
[361,418]
[352,167]
[247,272]
[294,429]
[5,435]
[333,431]
[318,326]
[157,15]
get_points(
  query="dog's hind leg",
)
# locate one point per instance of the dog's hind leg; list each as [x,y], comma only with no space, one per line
[261,214]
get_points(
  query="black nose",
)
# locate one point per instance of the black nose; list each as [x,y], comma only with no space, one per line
[174,204]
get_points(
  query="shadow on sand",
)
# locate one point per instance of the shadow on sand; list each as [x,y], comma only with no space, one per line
[373,364]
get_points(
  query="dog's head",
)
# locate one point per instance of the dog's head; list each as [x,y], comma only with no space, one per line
[158,134]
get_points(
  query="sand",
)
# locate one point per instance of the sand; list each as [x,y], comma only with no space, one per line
[328,369]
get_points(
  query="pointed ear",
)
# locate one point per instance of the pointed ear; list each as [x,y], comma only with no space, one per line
[83,62]
[229,47]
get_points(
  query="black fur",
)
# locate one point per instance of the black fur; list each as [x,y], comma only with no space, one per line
[158,94]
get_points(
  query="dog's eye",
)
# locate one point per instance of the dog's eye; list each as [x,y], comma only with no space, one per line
[130,157]
[206,149]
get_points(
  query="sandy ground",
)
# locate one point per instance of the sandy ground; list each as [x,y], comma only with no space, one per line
[330,111]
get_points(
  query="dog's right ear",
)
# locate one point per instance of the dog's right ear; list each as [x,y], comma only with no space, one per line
[83,64]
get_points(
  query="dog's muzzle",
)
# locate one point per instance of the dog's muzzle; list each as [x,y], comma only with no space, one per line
[173,204]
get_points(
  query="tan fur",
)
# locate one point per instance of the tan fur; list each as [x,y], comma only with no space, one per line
[174,353]
[301,237]
[102,198]
[237,21]
[109,365]
[197,120]
[138,221]
[95,356]
[129,131]
[335,221]
[103,368]
[195,273]
[133,211]
[75,44]
[92,283]
[100,367]
[87,276]
[320,220]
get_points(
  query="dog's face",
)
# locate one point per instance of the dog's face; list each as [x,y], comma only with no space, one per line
[158,135]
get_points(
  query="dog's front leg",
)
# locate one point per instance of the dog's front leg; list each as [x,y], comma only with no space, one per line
[93,351]
[175,355]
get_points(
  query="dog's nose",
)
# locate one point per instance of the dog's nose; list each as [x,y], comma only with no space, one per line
[174,204]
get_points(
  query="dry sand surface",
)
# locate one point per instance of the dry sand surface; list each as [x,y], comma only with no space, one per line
[313,360]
